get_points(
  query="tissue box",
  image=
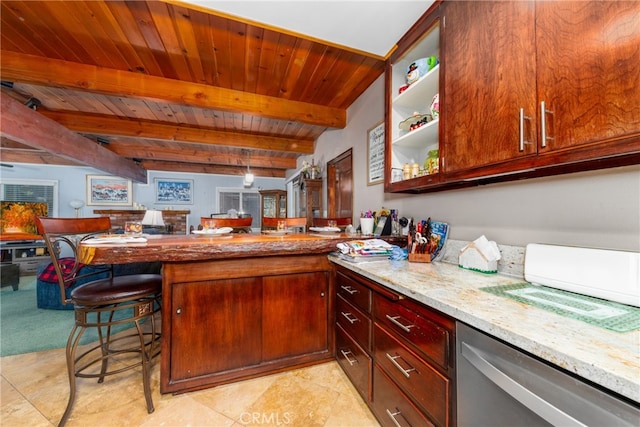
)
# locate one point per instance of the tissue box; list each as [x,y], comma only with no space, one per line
[472,258]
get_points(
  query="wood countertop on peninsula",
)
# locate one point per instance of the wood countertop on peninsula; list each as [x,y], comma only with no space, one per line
[177,248]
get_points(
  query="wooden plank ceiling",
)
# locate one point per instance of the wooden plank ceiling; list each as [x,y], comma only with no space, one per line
[167,87]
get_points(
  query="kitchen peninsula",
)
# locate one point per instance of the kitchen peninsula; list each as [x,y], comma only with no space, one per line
[237,306]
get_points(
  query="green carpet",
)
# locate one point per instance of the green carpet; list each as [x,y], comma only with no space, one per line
[24,328]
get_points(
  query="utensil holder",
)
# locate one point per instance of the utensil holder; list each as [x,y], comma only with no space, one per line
[419,257]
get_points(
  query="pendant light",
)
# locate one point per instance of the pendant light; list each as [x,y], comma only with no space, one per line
[248,177]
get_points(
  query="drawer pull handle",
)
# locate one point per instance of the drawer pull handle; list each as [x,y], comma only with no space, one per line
[405,372]
[392,415]
[394,320]
[349,289]
[346,356]
[349,317]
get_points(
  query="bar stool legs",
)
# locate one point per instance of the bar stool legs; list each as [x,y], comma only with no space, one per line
[148,345]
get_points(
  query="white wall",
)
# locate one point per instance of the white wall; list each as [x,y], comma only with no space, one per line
[72,185]
[597,209]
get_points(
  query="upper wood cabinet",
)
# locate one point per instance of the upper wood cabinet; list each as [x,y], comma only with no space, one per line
[530,85]
[490,76]
[533,88]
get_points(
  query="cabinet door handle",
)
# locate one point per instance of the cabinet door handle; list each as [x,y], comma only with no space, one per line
[348,289]
[352,319]
[543,124]
[392,415]
[346,354]
[405,372]
[395,321]
[521,123]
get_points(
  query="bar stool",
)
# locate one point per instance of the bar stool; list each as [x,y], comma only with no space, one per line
[102,303]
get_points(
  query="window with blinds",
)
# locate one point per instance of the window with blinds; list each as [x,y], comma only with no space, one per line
[16,190]
[242,200]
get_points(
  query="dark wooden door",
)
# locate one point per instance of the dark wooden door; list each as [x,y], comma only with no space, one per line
[340,186]
[215,326]
[295,315]
[588,71]
[489,76]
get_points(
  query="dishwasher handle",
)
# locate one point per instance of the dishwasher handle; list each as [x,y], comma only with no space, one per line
[516,390]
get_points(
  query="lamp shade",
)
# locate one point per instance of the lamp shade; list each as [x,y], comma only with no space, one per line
[153,218]
[76,204]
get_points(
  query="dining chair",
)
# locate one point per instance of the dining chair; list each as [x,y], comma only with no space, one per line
[299,223]
[239,225]
[102,303]
[341,222]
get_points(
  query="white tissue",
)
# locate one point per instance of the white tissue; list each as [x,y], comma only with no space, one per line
[481,255]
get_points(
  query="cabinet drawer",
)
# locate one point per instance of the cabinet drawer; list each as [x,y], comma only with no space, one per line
[354,292]
[355,322]
[427,387]
[30,266]
[391,406]
[355,362]
[424,334]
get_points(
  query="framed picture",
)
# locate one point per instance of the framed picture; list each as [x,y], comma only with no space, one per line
[109,190]
[174,191]
[375,154]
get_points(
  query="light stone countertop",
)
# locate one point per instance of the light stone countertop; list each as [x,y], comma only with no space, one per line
[610,359]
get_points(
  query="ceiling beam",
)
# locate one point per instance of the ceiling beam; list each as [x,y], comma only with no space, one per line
[31,128]
[129,147]
[39,157]
[109,125]
[39,70]
[209,169]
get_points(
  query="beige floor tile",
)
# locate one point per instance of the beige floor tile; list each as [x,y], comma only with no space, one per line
[35,391]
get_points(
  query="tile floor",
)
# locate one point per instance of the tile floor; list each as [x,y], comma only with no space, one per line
[34,392]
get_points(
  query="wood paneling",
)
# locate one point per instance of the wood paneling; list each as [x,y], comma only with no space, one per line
[163,71]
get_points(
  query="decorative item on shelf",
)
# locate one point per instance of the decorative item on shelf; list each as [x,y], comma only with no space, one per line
[310,170]
[402,89]
[406,171]
[419,68]
[431,163]
[435,106]
[415,121]
[77,205]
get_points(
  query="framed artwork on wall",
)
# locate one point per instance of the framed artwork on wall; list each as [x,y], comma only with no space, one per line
[109,190]
[174,191]
[375,154]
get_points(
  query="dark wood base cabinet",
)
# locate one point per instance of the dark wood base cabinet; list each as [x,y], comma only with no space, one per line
[398,353]
[226,320]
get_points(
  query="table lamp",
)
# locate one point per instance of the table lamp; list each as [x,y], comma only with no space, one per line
[77,205]
[153,218]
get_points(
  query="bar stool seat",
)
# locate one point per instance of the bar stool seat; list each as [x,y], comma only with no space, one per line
[102,304]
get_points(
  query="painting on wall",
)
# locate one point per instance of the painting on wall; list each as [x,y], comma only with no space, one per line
[109,190]
[174,191]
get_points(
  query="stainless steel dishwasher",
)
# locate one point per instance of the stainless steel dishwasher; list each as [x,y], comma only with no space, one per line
[499,385]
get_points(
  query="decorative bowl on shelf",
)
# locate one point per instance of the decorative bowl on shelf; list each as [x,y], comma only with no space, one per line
[415,121]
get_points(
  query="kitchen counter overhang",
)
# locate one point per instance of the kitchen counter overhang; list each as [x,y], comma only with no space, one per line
[179,248]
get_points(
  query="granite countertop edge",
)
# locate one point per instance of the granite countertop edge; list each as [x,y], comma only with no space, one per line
[564,342]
